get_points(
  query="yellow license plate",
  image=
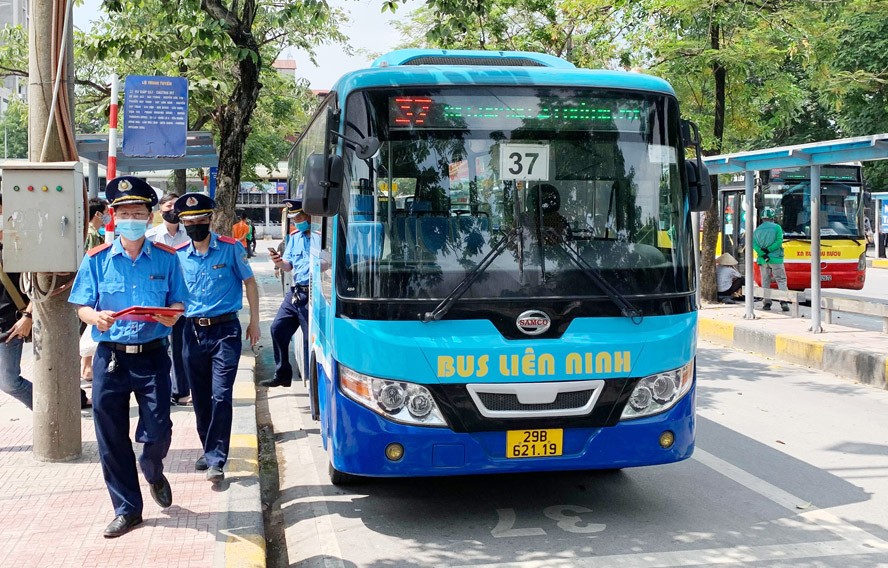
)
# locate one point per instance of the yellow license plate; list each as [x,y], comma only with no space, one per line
[534,443]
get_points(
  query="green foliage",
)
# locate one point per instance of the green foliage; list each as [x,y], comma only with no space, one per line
[14,130]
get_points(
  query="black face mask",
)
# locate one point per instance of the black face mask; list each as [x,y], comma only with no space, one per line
[170,217]
[197,233]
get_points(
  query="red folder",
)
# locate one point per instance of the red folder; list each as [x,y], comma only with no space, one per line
[145,313]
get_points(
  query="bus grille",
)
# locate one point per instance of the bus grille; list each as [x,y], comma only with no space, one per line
[536,400]
[564,401]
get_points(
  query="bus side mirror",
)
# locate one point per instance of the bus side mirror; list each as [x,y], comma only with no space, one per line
[322,194]
[699,188]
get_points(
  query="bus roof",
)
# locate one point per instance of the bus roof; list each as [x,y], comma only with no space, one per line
[390,70]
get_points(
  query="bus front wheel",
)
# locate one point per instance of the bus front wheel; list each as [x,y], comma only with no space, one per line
[340,478]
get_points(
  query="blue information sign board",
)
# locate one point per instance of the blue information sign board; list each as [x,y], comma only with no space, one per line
[211,181]
[155,116]
[884,229]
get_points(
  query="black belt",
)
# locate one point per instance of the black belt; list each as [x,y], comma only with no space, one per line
[138,347]
[207,322]
[301,287]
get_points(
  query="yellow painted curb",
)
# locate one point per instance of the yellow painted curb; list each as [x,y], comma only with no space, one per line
[716,330]
[245,551]
[799,349]
[243,392]
[880,263]
[243,455]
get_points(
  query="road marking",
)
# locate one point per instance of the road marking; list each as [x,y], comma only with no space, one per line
[853,540]
[704,557]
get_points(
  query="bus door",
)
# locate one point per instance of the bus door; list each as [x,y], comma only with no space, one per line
[732,224]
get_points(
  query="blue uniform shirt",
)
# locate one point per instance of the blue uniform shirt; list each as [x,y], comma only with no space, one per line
[214,280]
[111,280]
[297,254]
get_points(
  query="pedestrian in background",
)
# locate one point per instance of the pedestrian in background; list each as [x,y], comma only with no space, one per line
[727,278]
[131,356]
[172,233]
[98,218]
[240,229]
[216,272]
[251,238]
[767,241]
[293,313]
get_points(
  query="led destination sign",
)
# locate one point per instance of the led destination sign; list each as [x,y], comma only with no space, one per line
[485,112]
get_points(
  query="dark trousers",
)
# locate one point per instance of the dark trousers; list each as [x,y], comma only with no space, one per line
[146,375]
[735,286]
[211,357]
[290,317]
[178,377]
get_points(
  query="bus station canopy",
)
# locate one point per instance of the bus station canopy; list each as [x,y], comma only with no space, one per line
[200,152]
[859,149]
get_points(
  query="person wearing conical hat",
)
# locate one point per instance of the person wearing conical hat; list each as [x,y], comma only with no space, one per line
[727,278]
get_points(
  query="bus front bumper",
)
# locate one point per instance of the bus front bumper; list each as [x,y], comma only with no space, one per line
[359,437]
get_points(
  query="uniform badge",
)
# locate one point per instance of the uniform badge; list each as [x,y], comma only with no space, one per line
[124,185]
[191,201]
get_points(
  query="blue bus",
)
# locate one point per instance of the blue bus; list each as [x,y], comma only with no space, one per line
[503,274]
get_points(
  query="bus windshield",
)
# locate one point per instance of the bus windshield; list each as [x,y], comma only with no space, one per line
[541,184]
[839,210]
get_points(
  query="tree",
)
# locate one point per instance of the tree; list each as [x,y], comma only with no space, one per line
[14,126]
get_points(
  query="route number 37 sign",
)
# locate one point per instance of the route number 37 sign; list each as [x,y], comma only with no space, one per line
[524,162]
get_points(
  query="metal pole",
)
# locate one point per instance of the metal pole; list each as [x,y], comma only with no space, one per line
[748,201]
[815,250]
[93,179]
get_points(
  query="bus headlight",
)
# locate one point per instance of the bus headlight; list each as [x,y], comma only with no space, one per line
[400,401]
[657,393]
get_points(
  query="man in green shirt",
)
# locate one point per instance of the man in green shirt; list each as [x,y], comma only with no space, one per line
[767,241]
[98,218]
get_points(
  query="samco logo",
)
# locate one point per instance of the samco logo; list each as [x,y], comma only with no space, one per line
[533,322]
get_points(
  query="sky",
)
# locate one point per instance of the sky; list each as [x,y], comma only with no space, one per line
[369,31]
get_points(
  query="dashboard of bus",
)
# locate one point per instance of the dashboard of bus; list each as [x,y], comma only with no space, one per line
[526,192]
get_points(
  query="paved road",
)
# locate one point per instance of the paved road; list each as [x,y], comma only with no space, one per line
[791,469]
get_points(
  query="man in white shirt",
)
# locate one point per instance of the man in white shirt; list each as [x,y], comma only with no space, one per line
[172,233]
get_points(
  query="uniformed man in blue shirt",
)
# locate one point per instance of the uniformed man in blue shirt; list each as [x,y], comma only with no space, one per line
[131,357]
[216,271]
[293,313]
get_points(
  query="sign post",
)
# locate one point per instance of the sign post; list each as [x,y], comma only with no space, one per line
[155,117]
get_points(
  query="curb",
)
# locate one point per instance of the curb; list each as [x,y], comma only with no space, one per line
[241,541]
[877,262]
[863,366]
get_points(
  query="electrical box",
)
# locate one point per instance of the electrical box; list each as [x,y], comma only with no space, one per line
[43,216]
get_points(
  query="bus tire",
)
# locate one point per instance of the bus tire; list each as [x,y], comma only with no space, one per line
[313,388]
[340,478]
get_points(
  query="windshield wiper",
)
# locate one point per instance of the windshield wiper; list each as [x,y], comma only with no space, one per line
[626,307]
[441,309]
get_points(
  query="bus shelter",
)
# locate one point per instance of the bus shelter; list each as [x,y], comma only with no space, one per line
[813,155]
[200,152]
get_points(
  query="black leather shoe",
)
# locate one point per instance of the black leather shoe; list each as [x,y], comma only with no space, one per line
[121,525]
[215,474]
[784,307]
[766,306]
[201,464]
[275,382]
[162,493]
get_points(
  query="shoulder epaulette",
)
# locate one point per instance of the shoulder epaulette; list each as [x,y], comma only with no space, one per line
[96,250]
[162,246]
[180,246]
[228,240]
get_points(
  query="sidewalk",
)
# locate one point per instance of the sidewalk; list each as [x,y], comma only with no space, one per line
[53,514]
[844,351]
